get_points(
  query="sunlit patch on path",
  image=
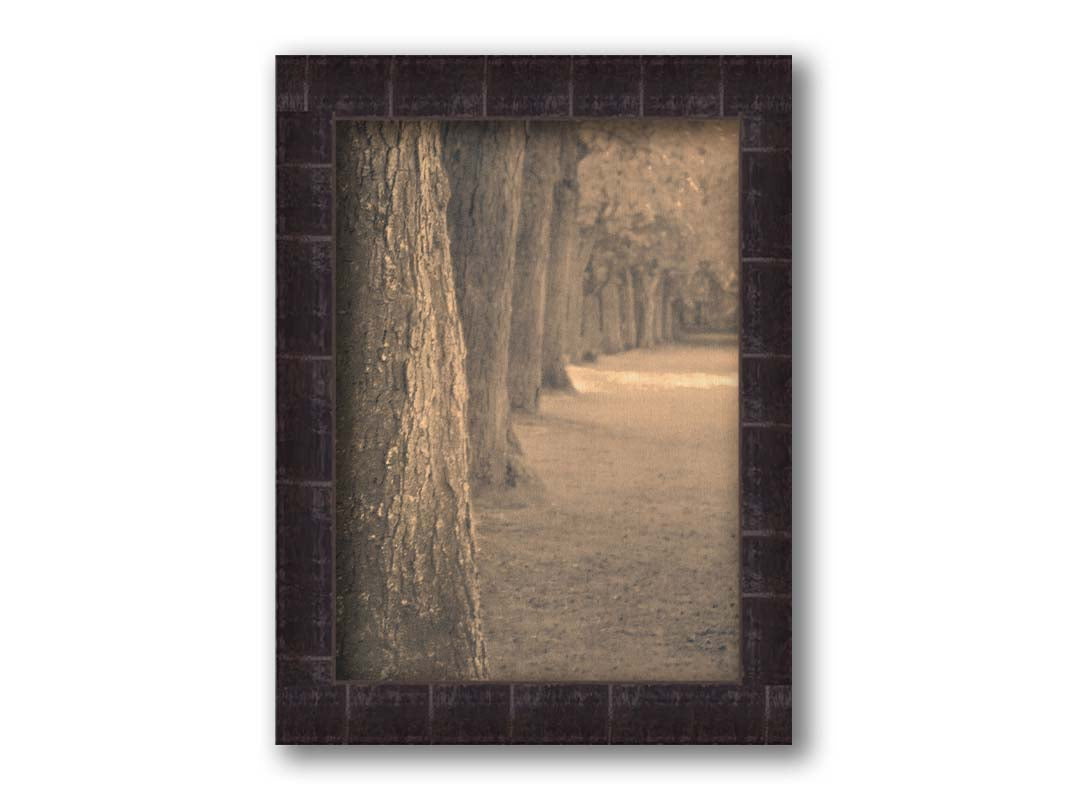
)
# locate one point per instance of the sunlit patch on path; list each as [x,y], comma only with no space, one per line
[591,379]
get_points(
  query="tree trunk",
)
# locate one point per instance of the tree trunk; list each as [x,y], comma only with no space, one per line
[628,311]
[484,166]
[591,336]
[655,303]
[541,173]
[611,316]
[583,254]
[407,592]
[663,310]
[669,316]
[575,310]
[645,286]
[561,282]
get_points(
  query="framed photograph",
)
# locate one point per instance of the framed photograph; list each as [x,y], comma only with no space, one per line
[534,400]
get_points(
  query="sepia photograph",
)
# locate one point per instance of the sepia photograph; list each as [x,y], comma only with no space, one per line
[479,401]
[536,441]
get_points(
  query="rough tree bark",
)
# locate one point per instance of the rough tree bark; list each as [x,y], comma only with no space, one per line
[407,593]
[562,282]
[541,173]
[484,166]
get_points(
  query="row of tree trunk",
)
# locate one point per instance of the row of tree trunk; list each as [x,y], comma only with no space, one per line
[439,226]
[464,285]
[626,309]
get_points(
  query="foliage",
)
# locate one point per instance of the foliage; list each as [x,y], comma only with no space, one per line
[661,192]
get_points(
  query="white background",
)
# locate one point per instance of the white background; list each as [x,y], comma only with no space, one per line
[136,414]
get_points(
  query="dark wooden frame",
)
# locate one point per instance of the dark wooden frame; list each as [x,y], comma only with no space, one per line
[313,708]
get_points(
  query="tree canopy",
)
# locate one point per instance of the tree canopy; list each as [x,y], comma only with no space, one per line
[663,192]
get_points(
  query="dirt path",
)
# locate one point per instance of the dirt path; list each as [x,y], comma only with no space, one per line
[625,568]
